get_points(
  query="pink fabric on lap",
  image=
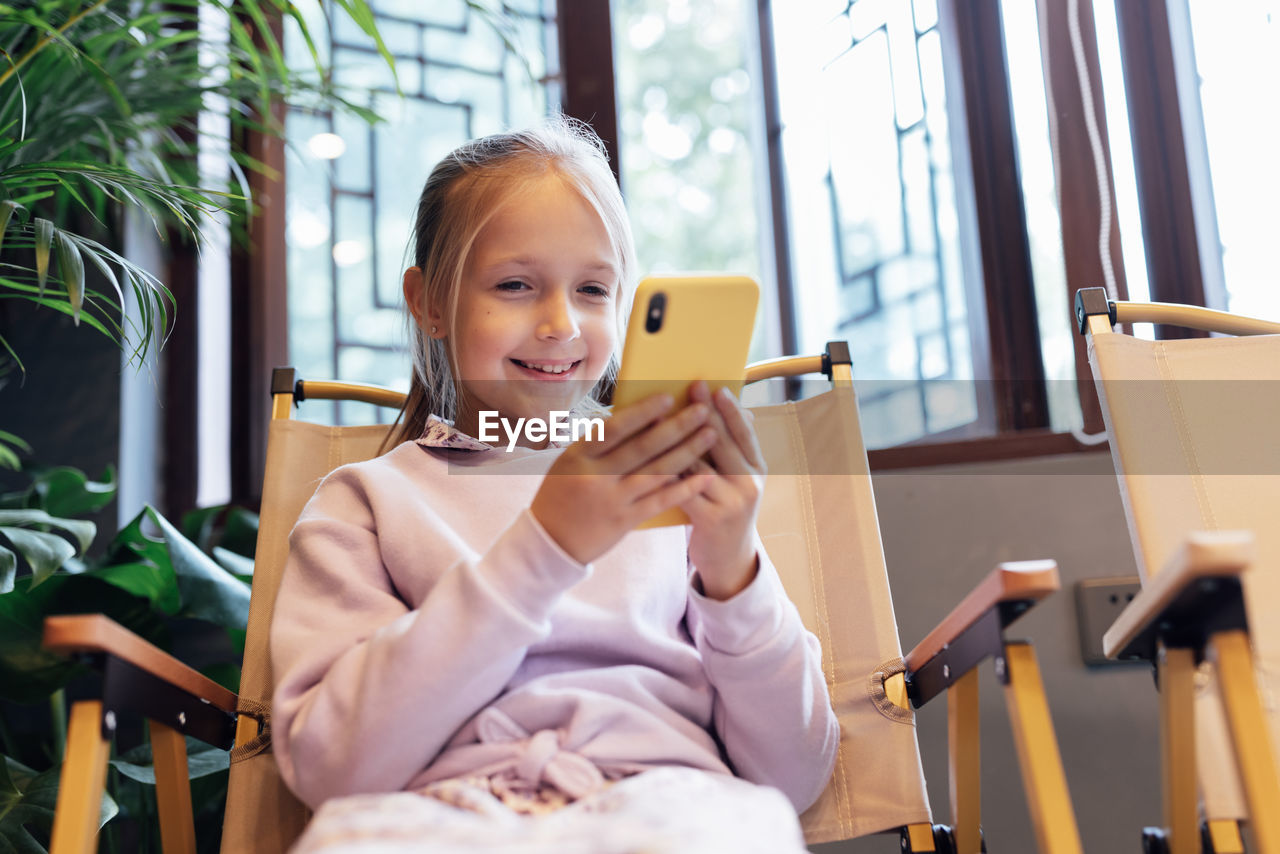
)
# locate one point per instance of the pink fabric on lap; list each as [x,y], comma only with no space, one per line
[664,811]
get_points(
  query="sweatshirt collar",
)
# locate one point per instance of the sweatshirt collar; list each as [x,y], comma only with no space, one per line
[439,433]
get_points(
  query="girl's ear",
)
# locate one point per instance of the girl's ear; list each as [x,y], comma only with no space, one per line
[427,317]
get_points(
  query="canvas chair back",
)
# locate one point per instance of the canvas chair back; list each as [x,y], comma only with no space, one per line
[1195,435]
[818,524]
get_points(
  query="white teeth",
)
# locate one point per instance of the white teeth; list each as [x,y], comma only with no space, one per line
[546,369]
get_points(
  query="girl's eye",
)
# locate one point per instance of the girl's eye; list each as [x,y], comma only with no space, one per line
[512,286]
[596,290]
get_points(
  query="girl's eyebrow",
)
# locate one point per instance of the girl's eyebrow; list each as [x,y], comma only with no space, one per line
[597,266]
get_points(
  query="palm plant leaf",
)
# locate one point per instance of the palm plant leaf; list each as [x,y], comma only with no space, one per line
[7,207]
[44,242]
[71,269]
[110,90]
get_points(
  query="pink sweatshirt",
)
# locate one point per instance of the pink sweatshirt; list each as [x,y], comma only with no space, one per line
[427,628]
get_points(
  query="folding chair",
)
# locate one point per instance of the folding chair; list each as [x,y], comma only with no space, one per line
[818,523]
[1193,426]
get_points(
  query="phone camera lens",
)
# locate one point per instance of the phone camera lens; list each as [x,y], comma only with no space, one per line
[657,310]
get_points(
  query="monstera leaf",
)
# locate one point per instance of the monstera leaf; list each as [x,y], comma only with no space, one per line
[27,801]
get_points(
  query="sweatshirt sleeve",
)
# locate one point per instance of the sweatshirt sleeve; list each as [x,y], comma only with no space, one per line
[772,710]
[368,691]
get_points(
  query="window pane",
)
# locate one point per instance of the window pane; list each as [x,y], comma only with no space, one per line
[1133,246]
[1237,60]
[351,188]
[1040,200]
[686,102]
[874,223]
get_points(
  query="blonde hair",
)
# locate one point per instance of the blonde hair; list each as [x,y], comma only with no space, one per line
[461,194]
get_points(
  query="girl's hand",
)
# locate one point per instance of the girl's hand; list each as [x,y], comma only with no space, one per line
[722,545]
[597,492]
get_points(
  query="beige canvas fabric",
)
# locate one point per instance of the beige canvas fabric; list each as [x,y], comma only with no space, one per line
[262,814]
[818,523]
[1193,427]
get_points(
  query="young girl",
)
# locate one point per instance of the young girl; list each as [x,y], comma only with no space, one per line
[467,636]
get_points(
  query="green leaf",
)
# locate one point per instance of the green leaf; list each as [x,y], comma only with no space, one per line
[8,569]
[62,306]
[208,591]
[98,261]
[29,672]
[17,810]
[82,529]
[198,525]
[8,441]
[202,760]
[71,269]
[7,207]
[236,564]
[156,584]
[27,803]
[131,545]
[240,533]
[44,242]
[361,13]
[66,491]
[44,552]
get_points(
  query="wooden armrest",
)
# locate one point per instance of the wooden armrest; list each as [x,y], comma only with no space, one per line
[95,633]
[1204,554]
[1009,582]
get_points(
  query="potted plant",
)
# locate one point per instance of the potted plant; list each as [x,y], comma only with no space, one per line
[99,102]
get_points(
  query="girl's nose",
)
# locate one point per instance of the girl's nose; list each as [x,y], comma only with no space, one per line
[559,321]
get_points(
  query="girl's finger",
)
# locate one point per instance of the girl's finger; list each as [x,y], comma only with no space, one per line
[739,421]
[681,457]
[643,448]
[728,458]
[673,494]
[718,492]
[698,507]
[628,421]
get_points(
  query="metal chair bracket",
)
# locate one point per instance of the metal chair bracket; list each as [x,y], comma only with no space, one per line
[129,690]
[1201,609]
[983,639]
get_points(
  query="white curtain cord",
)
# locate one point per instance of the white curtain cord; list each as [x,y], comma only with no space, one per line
[1095,143]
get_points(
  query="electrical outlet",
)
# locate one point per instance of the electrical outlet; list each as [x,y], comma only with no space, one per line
[1099,602]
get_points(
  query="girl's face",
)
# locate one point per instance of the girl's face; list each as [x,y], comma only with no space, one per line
[536,321]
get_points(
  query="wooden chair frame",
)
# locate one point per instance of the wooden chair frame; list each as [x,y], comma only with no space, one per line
[1193,610]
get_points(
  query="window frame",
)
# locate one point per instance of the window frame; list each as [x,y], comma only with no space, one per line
[974,42]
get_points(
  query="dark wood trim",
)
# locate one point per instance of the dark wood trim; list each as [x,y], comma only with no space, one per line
[585,30]
[180,422]
[1160,157]
[180,418]
[259,310]
[788,327]
[1079,205]
[1013,326]
[1008,446]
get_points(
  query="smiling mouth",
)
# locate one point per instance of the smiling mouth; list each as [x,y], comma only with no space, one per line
[548,369]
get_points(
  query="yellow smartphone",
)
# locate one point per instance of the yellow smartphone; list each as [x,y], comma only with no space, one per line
[682,329]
